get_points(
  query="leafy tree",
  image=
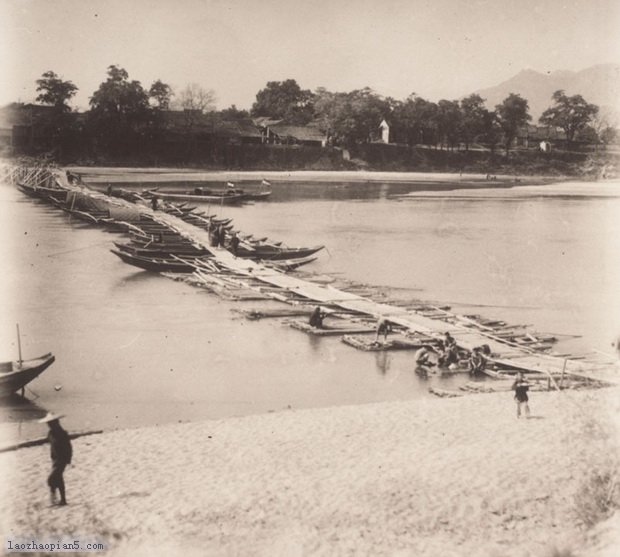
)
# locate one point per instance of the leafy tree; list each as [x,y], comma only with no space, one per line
[572,114]
[511,115]
[608,135]
[284,100]
[161,93]
[414,121]
[588,135]
[473,114]
[61,126]
[54,91]
[119,110]
[233,113]
[490,131]
[350,118]
[448,122]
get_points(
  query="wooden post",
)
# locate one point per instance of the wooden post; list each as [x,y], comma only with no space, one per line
[562,376]
[19,346]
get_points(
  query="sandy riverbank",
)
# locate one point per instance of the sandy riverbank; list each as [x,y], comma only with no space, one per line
[424,478]
[112,175]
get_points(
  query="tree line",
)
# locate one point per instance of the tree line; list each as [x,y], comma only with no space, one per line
[123,114]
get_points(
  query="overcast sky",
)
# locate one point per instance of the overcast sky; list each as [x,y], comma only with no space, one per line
[435,48]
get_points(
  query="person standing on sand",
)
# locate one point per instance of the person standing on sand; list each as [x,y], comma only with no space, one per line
[521,387]
[61,453]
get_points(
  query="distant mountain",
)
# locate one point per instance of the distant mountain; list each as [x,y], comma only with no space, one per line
[598,84]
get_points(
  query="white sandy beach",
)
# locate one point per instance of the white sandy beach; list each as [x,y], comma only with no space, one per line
[103,174]
[425,478]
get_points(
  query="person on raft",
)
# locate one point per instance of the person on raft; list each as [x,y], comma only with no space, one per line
[423,356]
[316,319]
[450,351]
[383,328]
[476,361]
[234,244]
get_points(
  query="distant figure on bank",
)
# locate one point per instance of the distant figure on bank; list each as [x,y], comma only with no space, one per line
[521,387]
[234,244]
[155,203]
[423,356]
[383,328]
[109,190]
[61,453]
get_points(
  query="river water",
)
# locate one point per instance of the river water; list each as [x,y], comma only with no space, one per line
[134,348]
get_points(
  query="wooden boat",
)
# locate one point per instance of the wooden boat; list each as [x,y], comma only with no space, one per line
[92,217]
[155,264]
[289,264]
[162,250]
[42,192]
[15,375]
[271,252]
[263,192]
[223,197]
[256,195]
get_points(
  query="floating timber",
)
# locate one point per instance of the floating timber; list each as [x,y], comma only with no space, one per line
[398,343]
[256,314]
[329,330]
[444,393]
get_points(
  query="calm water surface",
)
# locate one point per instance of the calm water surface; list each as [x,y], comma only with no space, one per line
[134,348]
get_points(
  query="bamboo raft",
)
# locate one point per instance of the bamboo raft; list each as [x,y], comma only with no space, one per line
[329,331]
[398,343]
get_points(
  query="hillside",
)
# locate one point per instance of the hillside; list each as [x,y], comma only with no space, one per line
[598,84]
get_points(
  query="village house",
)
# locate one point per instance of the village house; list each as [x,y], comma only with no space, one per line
[541,137]
[277,132]
[198,124]
[26,128]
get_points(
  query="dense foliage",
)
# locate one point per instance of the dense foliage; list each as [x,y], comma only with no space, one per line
[284,100]
[572,114]
[124,117]
[512,114]
[55,92]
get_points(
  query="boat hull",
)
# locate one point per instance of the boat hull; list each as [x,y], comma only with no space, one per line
[155,265]
[15,375]
[230,199]
[275,253]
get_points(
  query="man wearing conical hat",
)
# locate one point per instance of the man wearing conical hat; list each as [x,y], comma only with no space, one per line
[61,453]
